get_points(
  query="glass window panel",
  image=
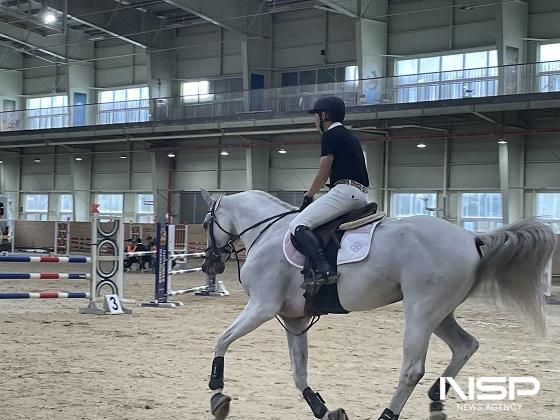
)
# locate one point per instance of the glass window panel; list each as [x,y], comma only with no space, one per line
[66,203]
[133,94]
[548,205]
[144,93]
[145,203]
[203,87]
[476,60]
[106,96]
[412,204]
[452,62]
[429,64]
[493,58]
[289,79]
[307,77]
[405,67]
[36,203]
[34,103]
[549,52]
[110,203]
[119,95]
[326,75]
[58,101]
[46,102]
[351,73]
[189,88]
[481,205]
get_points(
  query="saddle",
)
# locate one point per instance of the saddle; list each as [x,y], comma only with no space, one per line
[330,234]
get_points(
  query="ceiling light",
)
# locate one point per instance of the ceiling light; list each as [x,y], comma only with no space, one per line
[224,153]
[49,17]
[36,160]
[122,157]
[171,155]
[78,158]
[282,151]
[502,141]
[421,145]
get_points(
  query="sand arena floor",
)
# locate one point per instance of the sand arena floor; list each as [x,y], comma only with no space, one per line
[154,364]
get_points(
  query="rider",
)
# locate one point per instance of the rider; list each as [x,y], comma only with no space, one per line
[342,160]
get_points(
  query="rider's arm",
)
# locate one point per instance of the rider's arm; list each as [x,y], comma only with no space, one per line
[322,175]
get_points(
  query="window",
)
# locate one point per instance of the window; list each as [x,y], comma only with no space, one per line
[145,208]
[110,203]
[549,67]
[66,207]
[481,212]
[323,75]
[47,112]
[548,209]
[124,105]
[412,204]
[196,91]
[36,207]
[447,77]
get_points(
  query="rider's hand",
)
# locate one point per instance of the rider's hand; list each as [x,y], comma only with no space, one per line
[306,201]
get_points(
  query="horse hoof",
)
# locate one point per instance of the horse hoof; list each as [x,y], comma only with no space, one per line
[437,415]
[338,414]
[219,406]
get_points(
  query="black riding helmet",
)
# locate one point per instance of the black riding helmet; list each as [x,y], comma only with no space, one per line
[331,105]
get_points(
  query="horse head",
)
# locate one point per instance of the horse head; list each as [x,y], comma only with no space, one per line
[219,237]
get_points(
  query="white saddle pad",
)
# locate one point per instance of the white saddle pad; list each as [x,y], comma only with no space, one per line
[354,246]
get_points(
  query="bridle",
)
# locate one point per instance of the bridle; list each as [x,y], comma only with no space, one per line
[214,252]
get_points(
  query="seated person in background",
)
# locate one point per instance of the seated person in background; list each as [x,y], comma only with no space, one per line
[128,261]
[144,259]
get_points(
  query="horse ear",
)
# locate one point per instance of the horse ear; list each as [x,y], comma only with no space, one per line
[207,197]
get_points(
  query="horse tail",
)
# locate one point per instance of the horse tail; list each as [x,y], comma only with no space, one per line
[513,259]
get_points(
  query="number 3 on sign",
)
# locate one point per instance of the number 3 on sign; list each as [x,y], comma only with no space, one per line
[113,304]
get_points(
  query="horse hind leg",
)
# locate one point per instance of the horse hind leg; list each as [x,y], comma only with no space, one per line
[252,316]
[298,347]
[462,346]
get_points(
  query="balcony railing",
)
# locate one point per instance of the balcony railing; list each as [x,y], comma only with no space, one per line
[468,83]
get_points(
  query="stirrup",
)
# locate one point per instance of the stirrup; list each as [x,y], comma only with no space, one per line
[313,284]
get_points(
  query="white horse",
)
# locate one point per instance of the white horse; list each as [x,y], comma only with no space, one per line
[428,263]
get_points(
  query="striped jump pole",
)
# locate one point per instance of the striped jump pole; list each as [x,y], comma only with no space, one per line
[186,271]
[45,295]
[44,259]
[139,253]
[45,276]
[192,255]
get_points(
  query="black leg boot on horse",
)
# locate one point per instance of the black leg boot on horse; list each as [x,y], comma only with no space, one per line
[310,246]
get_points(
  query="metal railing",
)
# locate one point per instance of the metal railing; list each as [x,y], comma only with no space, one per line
[459,84]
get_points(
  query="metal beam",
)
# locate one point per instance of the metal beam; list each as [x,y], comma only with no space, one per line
[131,25]
[335,7]
[232,15]
[52,45]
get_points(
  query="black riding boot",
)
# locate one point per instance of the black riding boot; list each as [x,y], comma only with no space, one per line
[309,245]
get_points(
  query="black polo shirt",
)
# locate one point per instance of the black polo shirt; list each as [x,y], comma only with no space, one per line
[349,162]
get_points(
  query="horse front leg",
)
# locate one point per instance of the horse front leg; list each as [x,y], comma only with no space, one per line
[252,316]
[298,346]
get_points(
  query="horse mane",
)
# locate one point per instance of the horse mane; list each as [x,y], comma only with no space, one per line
[270,197]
